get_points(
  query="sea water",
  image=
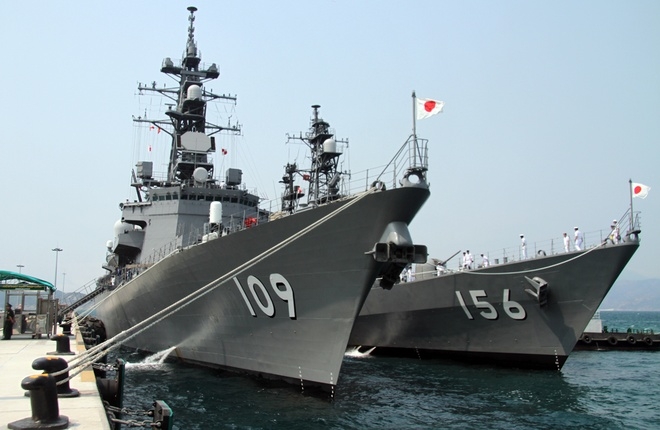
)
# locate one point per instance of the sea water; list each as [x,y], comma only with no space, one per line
[635,320]
[594,390]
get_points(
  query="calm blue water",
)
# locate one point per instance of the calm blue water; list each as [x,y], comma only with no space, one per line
[621,321]
[595,390]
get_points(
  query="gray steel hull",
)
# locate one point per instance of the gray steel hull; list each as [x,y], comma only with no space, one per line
[426,317]
[244,324]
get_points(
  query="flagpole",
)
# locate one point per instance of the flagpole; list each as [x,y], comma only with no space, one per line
[414,100]
[631,204]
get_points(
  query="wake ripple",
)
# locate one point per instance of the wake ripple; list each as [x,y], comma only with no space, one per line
[153,361]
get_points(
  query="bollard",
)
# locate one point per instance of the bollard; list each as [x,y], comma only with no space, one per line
[63,345]
[66,328]
[54,364]
[43,401]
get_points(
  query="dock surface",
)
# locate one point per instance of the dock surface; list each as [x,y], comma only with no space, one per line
[16,357]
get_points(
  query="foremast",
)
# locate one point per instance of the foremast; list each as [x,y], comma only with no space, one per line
[174,210]
[192,135]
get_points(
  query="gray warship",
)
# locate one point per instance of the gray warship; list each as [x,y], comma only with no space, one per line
[268,292]
[527,313]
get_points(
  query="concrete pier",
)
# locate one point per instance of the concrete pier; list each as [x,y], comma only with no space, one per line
[16,357]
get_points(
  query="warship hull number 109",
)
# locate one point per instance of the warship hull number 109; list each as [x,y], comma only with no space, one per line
[269,291]
[280,286]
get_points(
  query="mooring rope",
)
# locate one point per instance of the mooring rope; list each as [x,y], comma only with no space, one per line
[96,352]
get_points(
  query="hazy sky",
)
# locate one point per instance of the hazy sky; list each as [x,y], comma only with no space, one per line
[551,107]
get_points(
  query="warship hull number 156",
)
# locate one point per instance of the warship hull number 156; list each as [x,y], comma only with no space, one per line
[513,309]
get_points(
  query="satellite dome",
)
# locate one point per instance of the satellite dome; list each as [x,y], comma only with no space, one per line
[329,145]
[194,92]
[200,174]
[122,227]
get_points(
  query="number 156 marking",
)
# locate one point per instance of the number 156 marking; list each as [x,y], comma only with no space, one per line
[513,309]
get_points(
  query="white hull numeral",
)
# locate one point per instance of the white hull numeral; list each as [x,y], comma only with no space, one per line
[262,297]
[459,296]
[512,309]
[491,313]
[267,308]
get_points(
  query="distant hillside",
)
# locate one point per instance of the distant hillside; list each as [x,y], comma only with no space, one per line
[628,295]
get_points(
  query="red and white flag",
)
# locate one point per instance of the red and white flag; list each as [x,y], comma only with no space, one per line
[428,107]
[640,190]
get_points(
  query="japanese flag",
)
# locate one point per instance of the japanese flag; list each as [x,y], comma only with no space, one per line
[428,107]
[640,190]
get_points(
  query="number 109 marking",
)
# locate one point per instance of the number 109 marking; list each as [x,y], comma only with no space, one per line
[513,309]
[262,298]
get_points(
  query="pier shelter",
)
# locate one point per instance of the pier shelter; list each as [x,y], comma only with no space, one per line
[32,300]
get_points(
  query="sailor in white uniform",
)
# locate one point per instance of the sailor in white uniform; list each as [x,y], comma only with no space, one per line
[616,233]
[469,259]
[579,239]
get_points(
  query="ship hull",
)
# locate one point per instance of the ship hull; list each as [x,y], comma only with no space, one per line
[486,315]
[288,316]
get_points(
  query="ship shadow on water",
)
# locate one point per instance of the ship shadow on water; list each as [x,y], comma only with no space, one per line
[400,392]
[205,398]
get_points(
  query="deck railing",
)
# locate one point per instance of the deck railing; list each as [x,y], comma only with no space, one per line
[555,245]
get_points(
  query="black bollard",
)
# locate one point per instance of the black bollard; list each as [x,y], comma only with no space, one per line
[43,401]
[63,345]
[55,364]
[66,328]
